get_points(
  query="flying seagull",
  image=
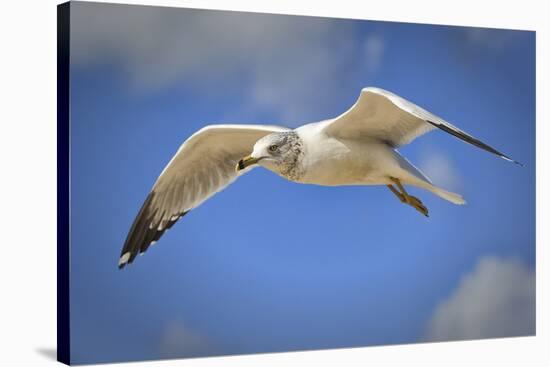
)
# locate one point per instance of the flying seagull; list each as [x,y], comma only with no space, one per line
[355,148]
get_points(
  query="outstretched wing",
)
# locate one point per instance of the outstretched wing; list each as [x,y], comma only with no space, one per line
[203,165]
[382,115]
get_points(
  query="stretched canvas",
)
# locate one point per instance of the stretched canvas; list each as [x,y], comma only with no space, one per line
[327,183]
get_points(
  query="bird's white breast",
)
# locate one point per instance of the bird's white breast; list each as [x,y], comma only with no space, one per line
[329,161]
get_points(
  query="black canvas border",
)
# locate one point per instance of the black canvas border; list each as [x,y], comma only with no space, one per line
[63,184]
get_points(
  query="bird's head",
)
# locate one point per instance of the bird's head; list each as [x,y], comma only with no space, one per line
[279,152]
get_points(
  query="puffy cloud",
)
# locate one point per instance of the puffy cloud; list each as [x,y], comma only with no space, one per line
[497,299]
[179,341]
[440,169]
[374,52]
[288,65]
[489,38]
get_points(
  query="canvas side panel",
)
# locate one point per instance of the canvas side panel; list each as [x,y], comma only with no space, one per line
[63,182]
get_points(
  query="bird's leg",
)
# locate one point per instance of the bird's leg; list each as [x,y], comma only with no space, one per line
[404,197]
[399,195]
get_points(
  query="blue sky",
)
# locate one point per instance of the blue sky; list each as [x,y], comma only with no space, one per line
[353,266]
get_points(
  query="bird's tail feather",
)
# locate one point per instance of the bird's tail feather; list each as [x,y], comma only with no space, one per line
[447,195]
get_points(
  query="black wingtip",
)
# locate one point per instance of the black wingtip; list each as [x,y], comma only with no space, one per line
[145,231]
[471,140]
[125,259]
[511,160]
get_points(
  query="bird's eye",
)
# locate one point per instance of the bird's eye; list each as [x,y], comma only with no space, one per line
[273,148]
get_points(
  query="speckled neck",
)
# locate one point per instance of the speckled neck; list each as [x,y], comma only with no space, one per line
[291,167]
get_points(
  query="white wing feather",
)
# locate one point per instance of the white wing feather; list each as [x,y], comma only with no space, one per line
[382,115]
[203,165]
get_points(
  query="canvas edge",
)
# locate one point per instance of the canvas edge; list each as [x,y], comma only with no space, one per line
[63,183]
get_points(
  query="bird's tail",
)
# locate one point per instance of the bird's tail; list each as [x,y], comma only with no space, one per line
[447,195]
[413,176]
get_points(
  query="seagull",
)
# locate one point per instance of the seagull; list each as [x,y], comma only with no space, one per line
[356,148]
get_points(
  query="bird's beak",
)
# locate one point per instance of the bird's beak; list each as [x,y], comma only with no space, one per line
[246,162]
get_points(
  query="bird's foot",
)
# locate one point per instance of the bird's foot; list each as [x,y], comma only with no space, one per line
[402,198]
[417,204]
[405,198]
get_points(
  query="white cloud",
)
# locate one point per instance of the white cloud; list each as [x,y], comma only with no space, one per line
[497,299]
[288,65]
[374,52]
[179,341]
[489,38]
[440,169]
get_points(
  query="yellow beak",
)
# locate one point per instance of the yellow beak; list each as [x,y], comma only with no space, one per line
[246,162]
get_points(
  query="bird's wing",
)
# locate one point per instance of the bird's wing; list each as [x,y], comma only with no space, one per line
[384,116]
[203,165]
